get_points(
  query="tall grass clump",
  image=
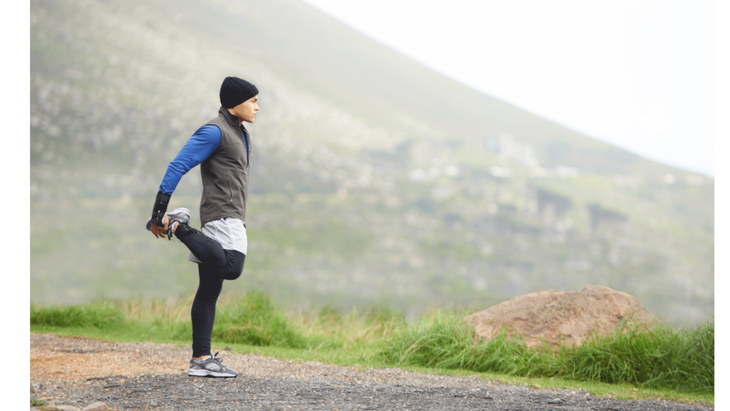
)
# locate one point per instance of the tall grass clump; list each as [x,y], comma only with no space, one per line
[329,327]
[659,357]
[443,340]
[253,319]
[169,317]
[100,314]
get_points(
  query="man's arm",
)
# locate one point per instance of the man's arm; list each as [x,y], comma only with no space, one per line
[201,145]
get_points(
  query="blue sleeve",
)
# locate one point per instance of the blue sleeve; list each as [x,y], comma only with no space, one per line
[196,150]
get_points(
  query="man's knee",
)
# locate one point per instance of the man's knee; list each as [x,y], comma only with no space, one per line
[234,275]
[231,273]
[234,268]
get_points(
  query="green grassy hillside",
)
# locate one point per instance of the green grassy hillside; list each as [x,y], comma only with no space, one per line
[374,178]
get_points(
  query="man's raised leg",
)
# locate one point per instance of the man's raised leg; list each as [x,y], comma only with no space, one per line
[209,251]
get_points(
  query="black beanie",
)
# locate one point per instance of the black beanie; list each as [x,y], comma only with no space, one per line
[235,91]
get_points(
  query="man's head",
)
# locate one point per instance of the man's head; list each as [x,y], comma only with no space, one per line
[240,98]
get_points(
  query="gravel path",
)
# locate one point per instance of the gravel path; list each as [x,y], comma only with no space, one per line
[142,376]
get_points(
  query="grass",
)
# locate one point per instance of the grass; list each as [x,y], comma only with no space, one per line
[101,314]
[654,363]
[658,358]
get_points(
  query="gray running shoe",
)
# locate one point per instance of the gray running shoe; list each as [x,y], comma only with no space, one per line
[176,216]
[210,367]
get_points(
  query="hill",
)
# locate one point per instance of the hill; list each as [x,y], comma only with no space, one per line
[374,178]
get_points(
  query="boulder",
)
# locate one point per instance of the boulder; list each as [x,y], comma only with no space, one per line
[561,315]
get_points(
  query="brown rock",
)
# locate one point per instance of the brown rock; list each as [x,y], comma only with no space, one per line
[558,315]
[66,408]
[97,406]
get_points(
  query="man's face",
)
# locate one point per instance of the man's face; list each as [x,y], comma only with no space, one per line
[247,110]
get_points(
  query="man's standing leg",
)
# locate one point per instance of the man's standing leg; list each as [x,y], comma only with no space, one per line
[203,311]
[203,364]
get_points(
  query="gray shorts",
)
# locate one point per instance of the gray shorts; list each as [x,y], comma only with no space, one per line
[230,232]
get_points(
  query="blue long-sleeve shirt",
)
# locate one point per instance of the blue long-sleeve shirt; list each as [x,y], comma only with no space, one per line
[200,146]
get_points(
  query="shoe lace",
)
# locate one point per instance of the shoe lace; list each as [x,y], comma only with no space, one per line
[215,357]
[171,229]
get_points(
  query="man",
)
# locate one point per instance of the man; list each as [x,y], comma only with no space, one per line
[223,147]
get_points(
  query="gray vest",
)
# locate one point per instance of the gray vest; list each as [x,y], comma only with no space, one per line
[225,172]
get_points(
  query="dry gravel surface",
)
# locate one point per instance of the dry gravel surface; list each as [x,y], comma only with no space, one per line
[147,376]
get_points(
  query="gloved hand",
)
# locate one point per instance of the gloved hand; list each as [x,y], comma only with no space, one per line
[160,208]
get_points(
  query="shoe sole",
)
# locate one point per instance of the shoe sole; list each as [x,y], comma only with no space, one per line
[179,214]
[208,373]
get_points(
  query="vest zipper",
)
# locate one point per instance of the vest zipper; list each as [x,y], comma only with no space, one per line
[230,191]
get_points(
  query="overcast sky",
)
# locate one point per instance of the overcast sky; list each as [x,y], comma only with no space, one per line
[635,73]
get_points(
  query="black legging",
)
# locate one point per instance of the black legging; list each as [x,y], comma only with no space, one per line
[216,265]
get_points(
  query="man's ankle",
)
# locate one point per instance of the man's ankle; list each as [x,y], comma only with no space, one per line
[202,357]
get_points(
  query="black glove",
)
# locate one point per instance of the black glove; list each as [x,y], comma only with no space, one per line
[159,209]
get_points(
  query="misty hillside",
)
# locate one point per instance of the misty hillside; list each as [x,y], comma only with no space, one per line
[374,179]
